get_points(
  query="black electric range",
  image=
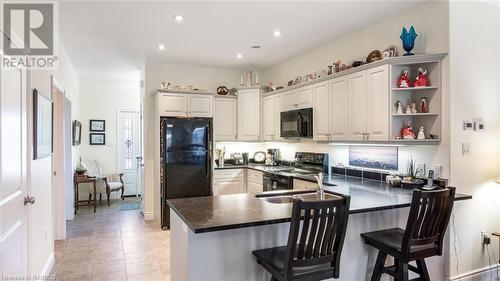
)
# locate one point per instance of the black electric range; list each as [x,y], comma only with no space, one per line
[306,163]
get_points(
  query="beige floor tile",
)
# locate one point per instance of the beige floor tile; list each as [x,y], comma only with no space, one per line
[112,245]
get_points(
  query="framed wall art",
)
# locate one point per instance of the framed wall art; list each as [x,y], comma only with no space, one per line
[77,132]
[97,139]
[97,125]
[42,125]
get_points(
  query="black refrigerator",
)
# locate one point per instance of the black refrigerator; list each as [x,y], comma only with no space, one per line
[186,160]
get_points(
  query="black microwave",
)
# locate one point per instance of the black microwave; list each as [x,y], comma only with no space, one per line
[297,123]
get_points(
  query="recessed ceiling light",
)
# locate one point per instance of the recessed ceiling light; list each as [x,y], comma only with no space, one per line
[161,47]
[277,33]
[239,56]
[256,47]
[178,18]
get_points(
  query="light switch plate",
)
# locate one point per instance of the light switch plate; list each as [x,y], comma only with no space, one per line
[465,148]
[468,125]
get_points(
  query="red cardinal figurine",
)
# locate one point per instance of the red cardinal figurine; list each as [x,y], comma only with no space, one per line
[407,133]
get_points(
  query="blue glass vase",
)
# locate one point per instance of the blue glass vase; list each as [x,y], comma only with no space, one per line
[408,39]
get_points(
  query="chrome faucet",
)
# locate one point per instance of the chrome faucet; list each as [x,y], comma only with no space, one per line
[319,179]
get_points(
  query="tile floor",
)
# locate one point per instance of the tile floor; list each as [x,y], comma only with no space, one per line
[112,245]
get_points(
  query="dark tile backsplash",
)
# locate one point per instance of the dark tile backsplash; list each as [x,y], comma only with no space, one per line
[354,173]
[372,175]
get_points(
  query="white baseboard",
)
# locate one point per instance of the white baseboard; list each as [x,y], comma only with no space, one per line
[48,265]
[148,216]
[475,274]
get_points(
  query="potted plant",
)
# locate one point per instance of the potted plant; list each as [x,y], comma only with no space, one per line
[410,180]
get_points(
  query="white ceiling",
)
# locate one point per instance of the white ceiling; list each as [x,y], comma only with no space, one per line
[112,40]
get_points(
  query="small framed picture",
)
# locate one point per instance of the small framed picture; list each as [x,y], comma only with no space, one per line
[97,125]
[77,132]
[97,139]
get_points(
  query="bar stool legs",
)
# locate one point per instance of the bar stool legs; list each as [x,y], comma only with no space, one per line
[399,270]
[379,266]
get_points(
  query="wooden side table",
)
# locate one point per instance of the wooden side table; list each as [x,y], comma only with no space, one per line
[77,179]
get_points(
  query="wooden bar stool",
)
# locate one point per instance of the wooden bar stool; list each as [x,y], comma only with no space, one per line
[429,216]
[314,247]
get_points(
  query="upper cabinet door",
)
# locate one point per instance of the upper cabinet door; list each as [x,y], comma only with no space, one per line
[291,100]
[249,115]
[278,108]
[200,105]
[305,97]
[321,111]
[174,105]
[339,114]
[225,119]
[298,98]
[268,118]
[357,106]
[377,81]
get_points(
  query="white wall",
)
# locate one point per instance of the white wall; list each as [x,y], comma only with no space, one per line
[475,37]
[41,224]
[200,77]
[102,100]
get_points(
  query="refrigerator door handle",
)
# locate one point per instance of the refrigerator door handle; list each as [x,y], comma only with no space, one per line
[209,161]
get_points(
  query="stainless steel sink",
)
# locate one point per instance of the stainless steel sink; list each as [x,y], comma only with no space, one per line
[279,199]
[310,196]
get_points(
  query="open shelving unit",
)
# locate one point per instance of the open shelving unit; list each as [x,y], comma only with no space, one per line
[430,120]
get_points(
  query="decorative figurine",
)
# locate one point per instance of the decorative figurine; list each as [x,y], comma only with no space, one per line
[408,39]
[421,134]
[407,132]
[408,109]
[165,84]
[330,69]
[399,108]
[404,80]
[336,66]
[423,105]
[422,80]
[413,106]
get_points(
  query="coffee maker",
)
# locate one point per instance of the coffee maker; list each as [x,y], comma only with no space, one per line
[275,155]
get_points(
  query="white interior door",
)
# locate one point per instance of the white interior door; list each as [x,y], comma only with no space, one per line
[13,184]
[128,148]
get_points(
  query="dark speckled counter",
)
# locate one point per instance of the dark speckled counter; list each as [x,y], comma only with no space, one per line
[206,214]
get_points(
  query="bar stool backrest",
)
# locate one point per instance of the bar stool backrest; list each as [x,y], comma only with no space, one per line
[429,216]
[320,237]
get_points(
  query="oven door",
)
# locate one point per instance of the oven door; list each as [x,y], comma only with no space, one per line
[274,182]
[296,123]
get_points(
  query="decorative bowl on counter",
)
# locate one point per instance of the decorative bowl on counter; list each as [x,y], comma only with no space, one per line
[417,183]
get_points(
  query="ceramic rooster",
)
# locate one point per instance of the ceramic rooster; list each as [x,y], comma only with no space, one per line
[408,39]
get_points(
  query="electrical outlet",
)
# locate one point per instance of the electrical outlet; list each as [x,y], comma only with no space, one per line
[485,238]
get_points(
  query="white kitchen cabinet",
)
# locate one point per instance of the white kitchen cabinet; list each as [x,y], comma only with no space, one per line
[377,82]
[357,105]
[171,104]
[255,182]
[368,105]
[271,110]
[302,184]
[278,107]
[229,181]
[339,105]
[268,118]
[185,105]
[249,115]
[321,111]
[298,98]
[228,187]
[225,116]
[200,105]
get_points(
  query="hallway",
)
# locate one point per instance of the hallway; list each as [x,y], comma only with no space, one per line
[112,245]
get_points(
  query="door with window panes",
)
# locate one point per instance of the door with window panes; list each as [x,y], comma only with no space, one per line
[128,149]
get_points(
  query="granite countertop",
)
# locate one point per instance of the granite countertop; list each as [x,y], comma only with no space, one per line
[207,214]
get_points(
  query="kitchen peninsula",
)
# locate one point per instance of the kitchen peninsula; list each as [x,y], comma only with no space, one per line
[215,236]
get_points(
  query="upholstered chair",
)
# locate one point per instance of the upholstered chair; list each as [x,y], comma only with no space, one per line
[106,183]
